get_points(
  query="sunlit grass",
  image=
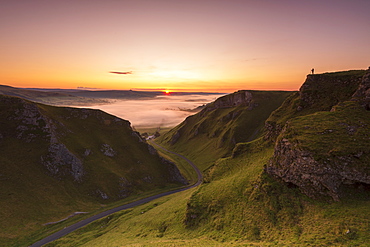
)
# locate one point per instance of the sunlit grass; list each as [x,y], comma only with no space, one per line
[238,205]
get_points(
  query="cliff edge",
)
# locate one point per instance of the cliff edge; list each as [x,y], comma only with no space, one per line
[322,135]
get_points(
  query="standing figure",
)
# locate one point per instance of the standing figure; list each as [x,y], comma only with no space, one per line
[312,71]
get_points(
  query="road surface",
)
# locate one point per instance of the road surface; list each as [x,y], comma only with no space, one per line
[84,222]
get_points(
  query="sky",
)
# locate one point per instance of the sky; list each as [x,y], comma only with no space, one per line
[193,45]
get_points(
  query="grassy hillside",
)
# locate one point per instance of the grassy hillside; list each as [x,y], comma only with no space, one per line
[231,119]
[240,204]
[75,97]
[56,161]
[320,92]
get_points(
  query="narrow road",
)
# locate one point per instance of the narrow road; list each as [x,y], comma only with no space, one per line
[84,222]
[199,173]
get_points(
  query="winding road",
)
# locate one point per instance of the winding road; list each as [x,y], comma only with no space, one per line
[84,222]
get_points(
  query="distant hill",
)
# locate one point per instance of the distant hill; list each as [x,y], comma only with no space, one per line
[104,94]
[84,97]
[58,160]
[59,98]
[219,126]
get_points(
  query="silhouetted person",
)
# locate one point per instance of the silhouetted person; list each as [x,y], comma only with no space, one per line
[312,71]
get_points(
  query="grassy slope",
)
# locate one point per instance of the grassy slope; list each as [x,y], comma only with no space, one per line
[322,91]
[29,197]
[342,132]
[212,134]
[239,205]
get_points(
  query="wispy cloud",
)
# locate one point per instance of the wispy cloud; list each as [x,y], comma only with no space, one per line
[121,73]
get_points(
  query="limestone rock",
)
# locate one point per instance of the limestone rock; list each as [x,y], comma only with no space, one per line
[307,140]
[235,99]
[315,178]
[107,150]
[61,162]
[175,175]
[175,137]
[363,92]
[152,150]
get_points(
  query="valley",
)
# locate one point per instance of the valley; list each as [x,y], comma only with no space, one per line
[279,168]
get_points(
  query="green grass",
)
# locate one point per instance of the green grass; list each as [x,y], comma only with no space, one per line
[338,133]
[239,205]
[31,196]
[213,133]
[187,171]
[320,92]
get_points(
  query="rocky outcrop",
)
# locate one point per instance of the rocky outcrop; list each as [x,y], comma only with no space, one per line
[152,150]
[61,162]
[323,91]
[107,150]
[273,129]
[29,121]
[316,178]
[239,98]
[175,175]
[175,137]
[32,125]
[319,92]
[322,153]
[362,94]
[125,187]
[235,99]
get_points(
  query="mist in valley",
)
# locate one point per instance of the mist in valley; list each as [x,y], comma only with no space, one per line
[161,111]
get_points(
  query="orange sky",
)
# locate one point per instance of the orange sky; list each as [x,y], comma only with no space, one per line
[194,45]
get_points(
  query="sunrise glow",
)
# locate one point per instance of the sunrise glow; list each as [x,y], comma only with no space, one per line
[220,46]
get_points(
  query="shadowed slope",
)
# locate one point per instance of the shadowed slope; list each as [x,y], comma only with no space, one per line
[56,161]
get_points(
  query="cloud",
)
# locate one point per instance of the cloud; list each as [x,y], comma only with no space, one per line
[121,73]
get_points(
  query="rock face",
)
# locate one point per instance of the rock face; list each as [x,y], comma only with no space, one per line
[323,91]
[320,92]
[327,148]
[31,125]
[61,162]
[175,175]
[76,145]
[238,98]
[363,92]
[317,178]
[29,120]
[107,150]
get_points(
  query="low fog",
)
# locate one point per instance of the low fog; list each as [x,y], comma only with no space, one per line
[162,111]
